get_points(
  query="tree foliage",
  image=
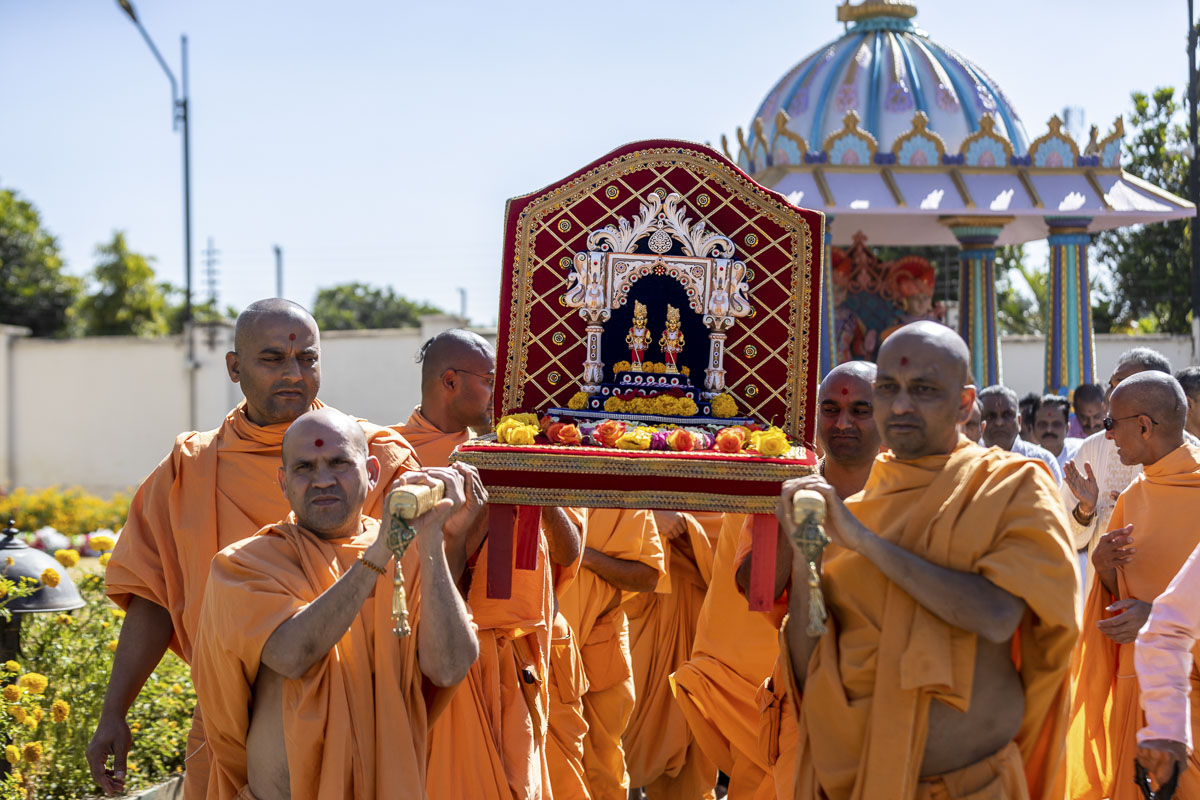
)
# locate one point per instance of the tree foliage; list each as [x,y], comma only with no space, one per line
[125,299]
[1150,265]
[34,290]
[357,306]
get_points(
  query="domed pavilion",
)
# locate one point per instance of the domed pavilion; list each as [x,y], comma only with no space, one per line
[902,140]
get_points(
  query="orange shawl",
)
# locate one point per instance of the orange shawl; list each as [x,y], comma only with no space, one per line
[355,722]
[865,712]
[433,445]
[1163,505]
[214,489]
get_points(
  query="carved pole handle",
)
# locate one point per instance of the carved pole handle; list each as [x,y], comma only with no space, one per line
[405,503]
[808,512]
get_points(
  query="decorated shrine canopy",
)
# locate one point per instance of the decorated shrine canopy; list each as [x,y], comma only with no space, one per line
[893,135]
[662,222]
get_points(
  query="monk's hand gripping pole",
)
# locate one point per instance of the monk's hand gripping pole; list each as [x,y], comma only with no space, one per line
[808,512]
[406,503]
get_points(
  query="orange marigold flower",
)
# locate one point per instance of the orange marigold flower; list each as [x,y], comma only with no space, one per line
[32,752]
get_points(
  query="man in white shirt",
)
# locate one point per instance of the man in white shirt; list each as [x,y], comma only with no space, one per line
[1000,416]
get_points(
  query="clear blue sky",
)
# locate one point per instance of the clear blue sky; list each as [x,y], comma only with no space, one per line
[377,141]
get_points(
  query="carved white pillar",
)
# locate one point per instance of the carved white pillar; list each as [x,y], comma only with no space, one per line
[593,367]
[714,375]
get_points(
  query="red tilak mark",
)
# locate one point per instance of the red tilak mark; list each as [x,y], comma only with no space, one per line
[291,337]
[903,361]
[845,390]
[320,443]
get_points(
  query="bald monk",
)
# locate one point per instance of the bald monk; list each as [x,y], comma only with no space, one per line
[213,489]
[661,754]
[952,600]
[1151,534]
[850,440]
[623,555]
[306,690]
[497,721]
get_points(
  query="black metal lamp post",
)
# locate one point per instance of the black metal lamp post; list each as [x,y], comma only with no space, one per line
[31,563]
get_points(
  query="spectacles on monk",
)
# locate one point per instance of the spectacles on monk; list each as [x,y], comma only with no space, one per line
[490,380]
[1110,423]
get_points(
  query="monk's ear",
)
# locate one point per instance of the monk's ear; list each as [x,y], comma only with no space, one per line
[372,471]
[233,366]
[449,379]
[281,477]
[966,402]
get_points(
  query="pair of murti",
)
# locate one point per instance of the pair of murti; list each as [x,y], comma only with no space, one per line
[410,501]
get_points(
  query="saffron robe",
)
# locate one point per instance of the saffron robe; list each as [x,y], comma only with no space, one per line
[593,607]
[1162,504]
[215,488]
[496,721]
[864,716]
[354,723]
[660,752]
[733,653]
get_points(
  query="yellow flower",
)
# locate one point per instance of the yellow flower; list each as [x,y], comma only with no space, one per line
[522,434]
[723,405]
[524,419]
[135,727]
[101,542]
[622,366]
[503,427]
[686,407]
[9,561]
[112,646]
[104,559]
[17,713]
[12,753]
[686,371]
[12,666]
[104,624]
[771,443]
[38,713]
[64,619]
[33,682]
[176,688]
[50,577]
[578,401]
[119,613]
[68,558]
[32,752]
[12,693]
[30,722]
[60,710]
[3,589]
[636,439]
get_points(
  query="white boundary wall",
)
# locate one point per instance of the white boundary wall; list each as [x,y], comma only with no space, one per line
[101,412]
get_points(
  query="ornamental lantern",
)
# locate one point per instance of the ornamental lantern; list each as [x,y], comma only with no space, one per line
[28,562]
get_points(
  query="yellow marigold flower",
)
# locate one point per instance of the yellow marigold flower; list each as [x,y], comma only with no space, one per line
[68,558]
[50,577]
[12,693]
[104,624]
[135,727]
[3,589]
[578,401]
[101,542]
[38,713]
[686,407]
[723,405]
[60,710]
[112,646]
[176,688]
[9,561]
[64,619]
[32,752]
[17,713]
[119,613]
[12,666]
[33,682]
[104,559]
[12,754]
[30,722]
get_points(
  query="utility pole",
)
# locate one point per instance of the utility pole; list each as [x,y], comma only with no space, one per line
[462,303]
[278,271]
[211,259]
[1193,182]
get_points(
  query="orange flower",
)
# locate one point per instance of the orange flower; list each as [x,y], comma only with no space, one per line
[608,432]
[731,440]
[681,440]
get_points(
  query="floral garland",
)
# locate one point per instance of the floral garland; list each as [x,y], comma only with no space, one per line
[647,367]
[528,429]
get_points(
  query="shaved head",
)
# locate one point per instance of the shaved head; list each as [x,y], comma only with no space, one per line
[845,416]
[451,348]
[923,390]
[1157,395]
[863,370]
[458,379]
[256,313]
[325,425]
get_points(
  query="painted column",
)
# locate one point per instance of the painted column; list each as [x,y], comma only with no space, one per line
[1070,351]
[977,292]
[828,348]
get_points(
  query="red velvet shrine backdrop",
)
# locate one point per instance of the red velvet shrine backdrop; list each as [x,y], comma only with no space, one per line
[771,357]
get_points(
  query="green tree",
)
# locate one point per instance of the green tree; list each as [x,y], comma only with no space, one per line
[126,300]
[355,306]
[1150,265]
[34,290]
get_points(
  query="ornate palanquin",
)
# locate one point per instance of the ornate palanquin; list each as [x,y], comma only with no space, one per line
[658,222]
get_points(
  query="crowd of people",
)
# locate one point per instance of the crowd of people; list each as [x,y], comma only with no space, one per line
[957,662]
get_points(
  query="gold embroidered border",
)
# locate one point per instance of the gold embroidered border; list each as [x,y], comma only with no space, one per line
[800,320]
[665,501]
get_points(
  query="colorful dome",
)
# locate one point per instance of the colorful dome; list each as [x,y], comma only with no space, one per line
[885,70]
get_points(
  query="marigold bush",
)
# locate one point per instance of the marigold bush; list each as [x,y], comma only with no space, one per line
[72,511]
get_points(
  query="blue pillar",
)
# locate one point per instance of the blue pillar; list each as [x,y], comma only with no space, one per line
[828,351]
[977,292]
[1070,353]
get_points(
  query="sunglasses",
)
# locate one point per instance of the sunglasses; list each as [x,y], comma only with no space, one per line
[1110,423]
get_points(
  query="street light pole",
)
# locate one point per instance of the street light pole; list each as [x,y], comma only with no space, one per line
[1193,181]
[180,118]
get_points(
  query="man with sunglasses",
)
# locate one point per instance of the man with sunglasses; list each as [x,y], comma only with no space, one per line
[1151,533]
